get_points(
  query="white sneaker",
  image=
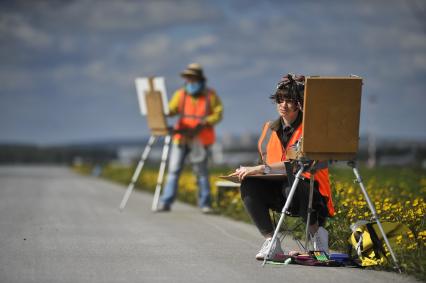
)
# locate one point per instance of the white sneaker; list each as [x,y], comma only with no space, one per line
[207,210]
[276,250]
[320,240]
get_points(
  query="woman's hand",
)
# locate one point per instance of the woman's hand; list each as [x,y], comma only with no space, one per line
[243,171]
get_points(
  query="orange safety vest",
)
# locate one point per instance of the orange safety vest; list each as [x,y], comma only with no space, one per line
[272,151]
[192,113]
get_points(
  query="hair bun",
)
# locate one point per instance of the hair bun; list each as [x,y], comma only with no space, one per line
[291,79]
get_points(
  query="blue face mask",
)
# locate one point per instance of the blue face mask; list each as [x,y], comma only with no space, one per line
[193,88]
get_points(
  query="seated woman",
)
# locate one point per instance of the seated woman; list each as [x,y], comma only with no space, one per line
[260,195]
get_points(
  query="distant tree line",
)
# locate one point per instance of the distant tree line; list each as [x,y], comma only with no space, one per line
[413,154]
[54,154]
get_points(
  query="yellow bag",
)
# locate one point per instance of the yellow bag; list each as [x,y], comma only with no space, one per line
[367,240]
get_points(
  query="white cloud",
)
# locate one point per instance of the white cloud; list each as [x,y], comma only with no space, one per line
[216,60]
[108,15]
[254,70]
[68,44]
[17,79]
[17,27]
[410,40]
[101,72]
[419,61]
[151,55]
[196,43]
[154,47]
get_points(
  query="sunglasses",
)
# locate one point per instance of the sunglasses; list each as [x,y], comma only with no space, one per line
[280,100]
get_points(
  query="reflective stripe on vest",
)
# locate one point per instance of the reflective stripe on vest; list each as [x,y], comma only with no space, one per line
[272,151]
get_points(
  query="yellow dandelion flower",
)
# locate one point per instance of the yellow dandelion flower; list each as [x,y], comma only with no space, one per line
[416,202]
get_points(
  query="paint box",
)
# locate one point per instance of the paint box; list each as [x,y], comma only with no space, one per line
[339,257]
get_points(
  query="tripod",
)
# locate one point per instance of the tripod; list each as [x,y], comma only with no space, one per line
[301,164]
[164,157]
[139,167]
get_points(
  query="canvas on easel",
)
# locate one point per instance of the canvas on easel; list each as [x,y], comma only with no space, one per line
[153,103]
[331,111]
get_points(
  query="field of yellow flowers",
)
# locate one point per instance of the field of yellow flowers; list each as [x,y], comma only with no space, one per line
[398,195]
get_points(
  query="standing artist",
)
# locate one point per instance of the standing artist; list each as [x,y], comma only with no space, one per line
[199,109]
[261,195]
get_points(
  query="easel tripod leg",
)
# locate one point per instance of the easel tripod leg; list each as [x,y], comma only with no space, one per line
[311,196]
[374,213]
[138,170]
[161,173]
[285,208]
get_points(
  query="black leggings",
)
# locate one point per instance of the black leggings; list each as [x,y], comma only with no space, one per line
[260,195]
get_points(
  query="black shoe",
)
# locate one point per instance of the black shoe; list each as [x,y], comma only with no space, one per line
[164,208]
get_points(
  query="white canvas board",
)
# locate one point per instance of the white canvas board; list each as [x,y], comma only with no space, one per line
[142,87]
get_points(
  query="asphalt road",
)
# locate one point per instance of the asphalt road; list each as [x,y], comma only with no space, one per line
[57,226]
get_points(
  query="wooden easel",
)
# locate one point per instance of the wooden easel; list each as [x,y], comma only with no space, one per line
[157,124]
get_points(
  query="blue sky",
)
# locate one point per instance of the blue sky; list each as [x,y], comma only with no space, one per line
[68,67]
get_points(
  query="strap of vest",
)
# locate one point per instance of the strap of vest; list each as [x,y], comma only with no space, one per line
[182,103]
[294,137]
[266,135]
[208,102]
